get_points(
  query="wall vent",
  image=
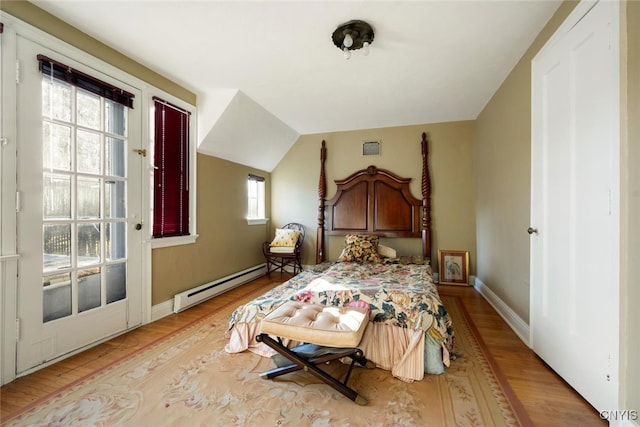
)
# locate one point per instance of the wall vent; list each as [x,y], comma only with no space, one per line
[371,148]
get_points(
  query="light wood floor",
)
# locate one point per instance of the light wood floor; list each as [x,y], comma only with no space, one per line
[548,400]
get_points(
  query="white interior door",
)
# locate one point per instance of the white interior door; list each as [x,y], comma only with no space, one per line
[79,185]
[575,186]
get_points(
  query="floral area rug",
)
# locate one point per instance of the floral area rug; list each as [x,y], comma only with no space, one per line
[188,379]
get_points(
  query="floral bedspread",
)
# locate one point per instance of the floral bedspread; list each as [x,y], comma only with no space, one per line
[398,294]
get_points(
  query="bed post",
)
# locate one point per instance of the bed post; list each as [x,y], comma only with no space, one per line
[426,200]
[322,192]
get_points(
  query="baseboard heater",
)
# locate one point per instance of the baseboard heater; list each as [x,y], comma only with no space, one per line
[194,296]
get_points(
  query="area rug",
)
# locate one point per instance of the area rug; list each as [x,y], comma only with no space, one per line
[187,379]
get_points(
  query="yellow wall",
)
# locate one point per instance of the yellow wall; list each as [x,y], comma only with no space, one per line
[295,181]
[503,180]
[226,244]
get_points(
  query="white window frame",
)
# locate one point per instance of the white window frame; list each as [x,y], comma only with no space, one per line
[260,200]
[163,242]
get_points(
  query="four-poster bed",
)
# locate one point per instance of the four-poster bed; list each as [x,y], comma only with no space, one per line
[410,332]
[377,202]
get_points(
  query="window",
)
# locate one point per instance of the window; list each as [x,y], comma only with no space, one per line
[85,182]
[255,200]
[171,178]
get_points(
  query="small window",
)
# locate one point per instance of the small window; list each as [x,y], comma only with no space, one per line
[255,198]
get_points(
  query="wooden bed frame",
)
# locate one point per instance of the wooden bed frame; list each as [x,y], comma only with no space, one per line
[377,202]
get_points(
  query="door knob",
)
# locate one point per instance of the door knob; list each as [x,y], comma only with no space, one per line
[532,230]
[138,226]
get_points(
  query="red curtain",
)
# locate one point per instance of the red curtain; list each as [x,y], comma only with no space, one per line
[171,173]
[84,81]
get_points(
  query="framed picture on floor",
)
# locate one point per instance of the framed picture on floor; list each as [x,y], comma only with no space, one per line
[454,267]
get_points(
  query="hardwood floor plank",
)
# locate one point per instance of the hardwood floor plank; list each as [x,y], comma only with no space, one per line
[548,400]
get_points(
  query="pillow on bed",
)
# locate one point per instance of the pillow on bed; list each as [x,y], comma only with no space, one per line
[360,248]
[386,251]
[285,237]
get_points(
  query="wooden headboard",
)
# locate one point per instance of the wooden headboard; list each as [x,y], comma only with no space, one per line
[375,201]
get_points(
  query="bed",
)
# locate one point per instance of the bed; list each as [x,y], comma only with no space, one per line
[410,332]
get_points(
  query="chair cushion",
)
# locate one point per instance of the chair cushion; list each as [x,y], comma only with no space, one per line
[285,237]
[282,249]
[318,324]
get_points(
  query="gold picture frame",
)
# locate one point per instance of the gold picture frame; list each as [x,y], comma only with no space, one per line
[453,267]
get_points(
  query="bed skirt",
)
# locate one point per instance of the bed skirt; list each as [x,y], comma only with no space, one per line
[399,350]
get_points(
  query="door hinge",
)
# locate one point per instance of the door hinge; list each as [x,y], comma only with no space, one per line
[17,201]
[17,71]
[17,329]
[610,202]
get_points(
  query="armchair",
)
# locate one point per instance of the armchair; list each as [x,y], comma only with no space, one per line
[284,249]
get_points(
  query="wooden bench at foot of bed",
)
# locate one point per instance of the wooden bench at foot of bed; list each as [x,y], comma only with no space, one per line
[328,333]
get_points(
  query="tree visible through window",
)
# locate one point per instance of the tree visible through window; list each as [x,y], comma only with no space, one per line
[171,170]
[84,187]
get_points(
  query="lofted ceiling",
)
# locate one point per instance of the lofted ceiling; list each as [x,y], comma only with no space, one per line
[265,72]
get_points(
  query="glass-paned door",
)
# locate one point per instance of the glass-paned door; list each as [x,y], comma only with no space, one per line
[79,182]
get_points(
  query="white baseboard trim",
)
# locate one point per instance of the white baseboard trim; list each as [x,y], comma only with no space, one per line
[161,310]
[201,293]
[515,322]
[208,290]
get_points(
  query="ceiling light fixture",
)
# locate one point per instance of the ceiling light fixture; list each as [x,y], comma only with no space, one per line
[353,35]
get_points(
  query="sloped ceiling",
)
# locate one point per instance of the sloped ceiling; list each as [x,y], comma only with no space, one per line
[266,72]
[244,129]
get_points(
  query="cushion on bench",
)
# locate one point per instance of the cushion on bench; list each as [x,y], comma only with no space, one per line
[318,324]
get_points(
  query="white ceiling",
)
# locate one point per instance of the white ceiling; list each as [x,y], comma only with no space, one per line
[266,72]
